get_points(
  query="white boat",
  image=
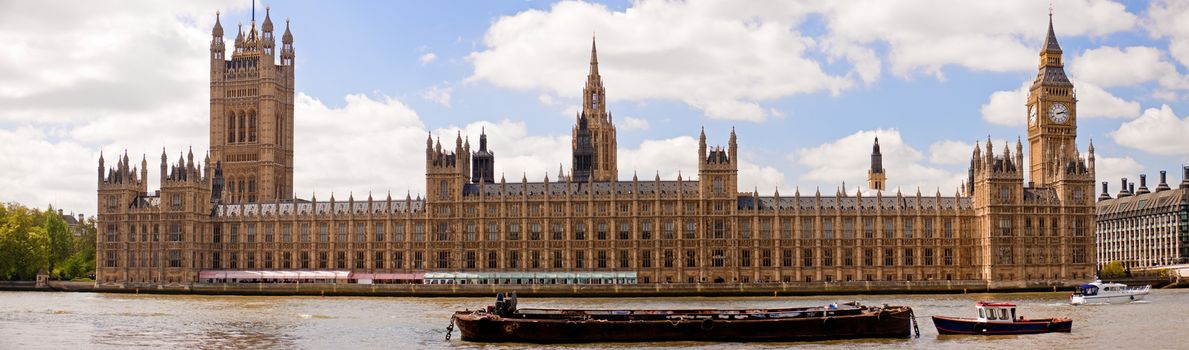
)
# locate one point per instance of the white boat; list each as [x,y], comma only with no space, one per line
[1098,292]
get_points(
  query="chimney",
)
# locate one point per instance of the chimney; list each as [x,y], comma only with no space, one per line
[1105,195]
[1184,177]
[59,212]
[1143,184]
[1123,190]
[1163,181]
[1131,188]
[80,218]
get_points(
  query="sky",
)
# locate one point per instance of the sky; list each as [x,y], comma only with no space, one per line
[806,85]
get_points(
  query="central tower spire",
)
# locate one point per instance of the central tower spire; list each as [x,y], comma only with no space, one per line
[599,125]
[593,94]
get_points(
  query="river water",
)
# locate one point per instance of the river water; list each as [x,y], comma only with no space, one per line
[34,320]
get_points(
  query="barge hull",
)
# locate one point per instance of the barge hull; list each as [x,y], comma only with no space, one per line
[491,328]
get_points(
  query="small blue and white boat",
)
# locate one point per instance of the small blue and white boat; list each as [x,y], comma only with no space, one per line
[998,319]
[1098,292]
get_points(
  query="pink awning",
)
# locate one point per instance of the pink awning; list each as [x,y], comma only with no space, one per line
[274,275]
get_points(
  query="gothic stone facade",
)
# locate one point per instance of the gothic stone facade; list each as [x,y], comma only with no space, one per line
[232,212]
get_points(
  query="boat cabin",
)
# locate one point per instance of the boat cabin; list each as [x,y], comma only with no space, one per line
[996,312]
[1086,289]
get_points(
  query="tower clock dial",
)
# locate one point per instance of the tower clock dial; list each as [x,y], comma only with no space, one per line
[1058,113]
[1031,116]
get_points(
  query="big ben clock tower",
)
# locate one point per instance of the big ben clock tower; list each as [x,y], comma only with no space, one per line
[1052,113]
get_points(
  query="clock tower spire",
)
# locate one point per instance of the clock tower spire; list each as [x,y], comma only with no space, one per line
[1052,113]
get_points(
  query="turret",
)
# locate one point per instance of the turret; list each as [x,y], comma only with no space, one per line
[876,177]
[217,46]
[144,169]
[733,145]
[702,144]
[101,167]
[287,54]
[164,166]
[267,41]
[1019,160]
[483,162]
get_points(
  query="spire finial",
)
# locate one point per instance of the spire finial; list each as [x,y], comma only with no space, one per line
[253,11]
[594,56]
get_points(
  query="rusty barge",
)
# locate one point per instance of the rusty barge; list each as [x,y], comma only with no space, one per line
[505,322]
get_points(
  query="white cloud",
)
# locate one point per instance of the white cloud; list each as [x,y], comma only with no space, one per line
[762,178]
[848,158]
[1095,102]
[439,94]
[668,157]
[631,124]
[80,77]
[38,171]
[517,154]
[1111,169]
[545,99]
[950,152]
[1109,66]
[428,57]
[1008,107]
[1157,131]
[571,111]
[768,58]
[1167,19]
[679,156]
[366,145]
[925,35]
[719,57]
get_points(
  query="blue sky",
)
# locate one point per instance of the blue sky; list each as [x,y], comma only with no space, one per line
[806,85]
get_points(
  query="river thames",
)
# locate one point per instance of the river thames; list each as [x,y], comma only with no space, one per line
[35,320]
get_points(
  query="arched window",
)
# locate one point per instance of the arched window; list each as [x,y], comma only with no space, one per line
[231,185]
[443,189]
[252,189]
[230,127]
[252,127]
[242,127]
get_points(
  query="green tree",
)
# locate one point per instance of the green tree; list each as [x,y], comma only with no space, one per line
[24,246]
[1113,269]
[81,264]
[61,241]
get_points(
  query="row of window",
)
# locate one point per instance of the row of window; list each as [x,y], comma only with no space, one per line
[1006,255]
[1005,226]
[600,259]
[602,230]
[645,207]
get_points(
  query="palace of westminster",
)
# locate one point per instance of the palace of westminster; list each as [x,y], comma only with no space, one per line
[234,210]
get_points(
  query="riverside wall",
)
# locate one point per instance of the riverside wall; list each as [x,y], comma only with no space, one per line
[562,290]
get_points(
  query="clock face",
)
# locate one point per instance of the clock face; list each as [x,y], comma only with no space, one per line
[1031,116]
[1058,113]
